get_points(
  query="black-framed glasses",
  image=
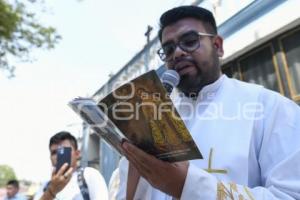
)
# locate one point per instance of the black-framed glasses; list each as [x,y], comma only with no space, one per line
[188,42]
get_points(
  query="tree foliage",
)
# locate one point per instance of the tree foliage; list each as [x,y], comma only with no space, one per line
[20,33]
[6,173]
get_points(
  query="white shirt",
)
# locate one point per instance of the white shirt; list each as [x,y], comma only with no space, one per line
[16,197]
[94,180]
[114,184]
[253,138]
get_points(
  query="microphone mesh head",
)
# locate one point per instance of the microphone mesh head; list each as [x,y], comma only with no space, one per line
[170,77]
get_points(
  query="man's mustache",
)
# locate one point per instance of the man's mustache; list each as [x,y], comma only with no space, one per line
[182,59]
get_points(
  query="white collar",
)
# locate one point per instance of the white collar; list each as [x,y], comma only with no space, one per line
[209,91]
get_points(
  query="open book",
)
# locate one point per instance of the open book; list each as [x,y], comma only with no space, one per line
[141,112]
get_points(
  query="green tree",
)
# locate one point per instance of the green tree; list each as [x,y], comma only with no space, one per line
[6,173]
[20,33]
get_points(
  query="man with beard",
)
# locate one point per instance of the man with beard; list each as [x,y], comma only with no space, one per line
[249,136]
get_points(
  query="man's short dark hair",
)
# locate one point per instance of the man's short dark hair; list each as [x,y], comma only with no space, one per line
[61,136]
[13,182]
[175,14]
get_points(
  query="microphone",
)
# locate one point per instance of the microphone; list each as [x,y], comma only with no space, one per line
[170,79]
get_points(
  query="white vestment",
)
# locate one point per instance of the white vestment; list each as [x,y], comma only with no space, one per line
[250,140]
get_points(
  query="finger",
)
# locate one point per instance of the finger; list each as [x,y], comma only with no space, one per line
[133,150]
[149,165]
[53,171]
[132,182]
[146,159]
[142,170]
[62,169]
[181,164]
[135,163]
[68,173]
[146,164]
[136,155]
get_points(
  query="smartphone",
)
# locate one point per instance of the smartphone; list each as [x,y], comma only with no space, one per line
[63,156]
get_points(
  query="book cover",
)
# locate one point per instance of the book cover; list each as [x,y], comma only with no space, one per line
[142,112]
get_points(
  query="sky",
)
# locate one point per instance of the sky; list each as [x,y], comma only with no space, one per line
[98,38]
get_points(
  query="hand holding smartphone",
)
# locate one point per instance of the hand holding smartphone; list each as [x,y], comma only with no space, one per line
[63,156]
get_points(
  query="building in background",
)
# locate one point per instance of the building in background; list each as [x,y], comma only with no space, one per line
[262,45]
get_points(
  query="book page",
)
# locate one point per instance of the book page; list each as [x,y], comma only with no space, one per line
[89,111]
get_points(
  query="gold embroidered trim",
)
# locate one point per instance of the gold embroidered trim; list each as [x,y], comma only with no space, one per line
[210,157]
[233,187]
[209,169]
[241,197]
[223,192]
[249,193]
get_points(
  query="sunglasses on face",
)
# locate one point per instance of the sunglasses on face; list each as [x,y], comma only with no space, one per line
[188,42]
